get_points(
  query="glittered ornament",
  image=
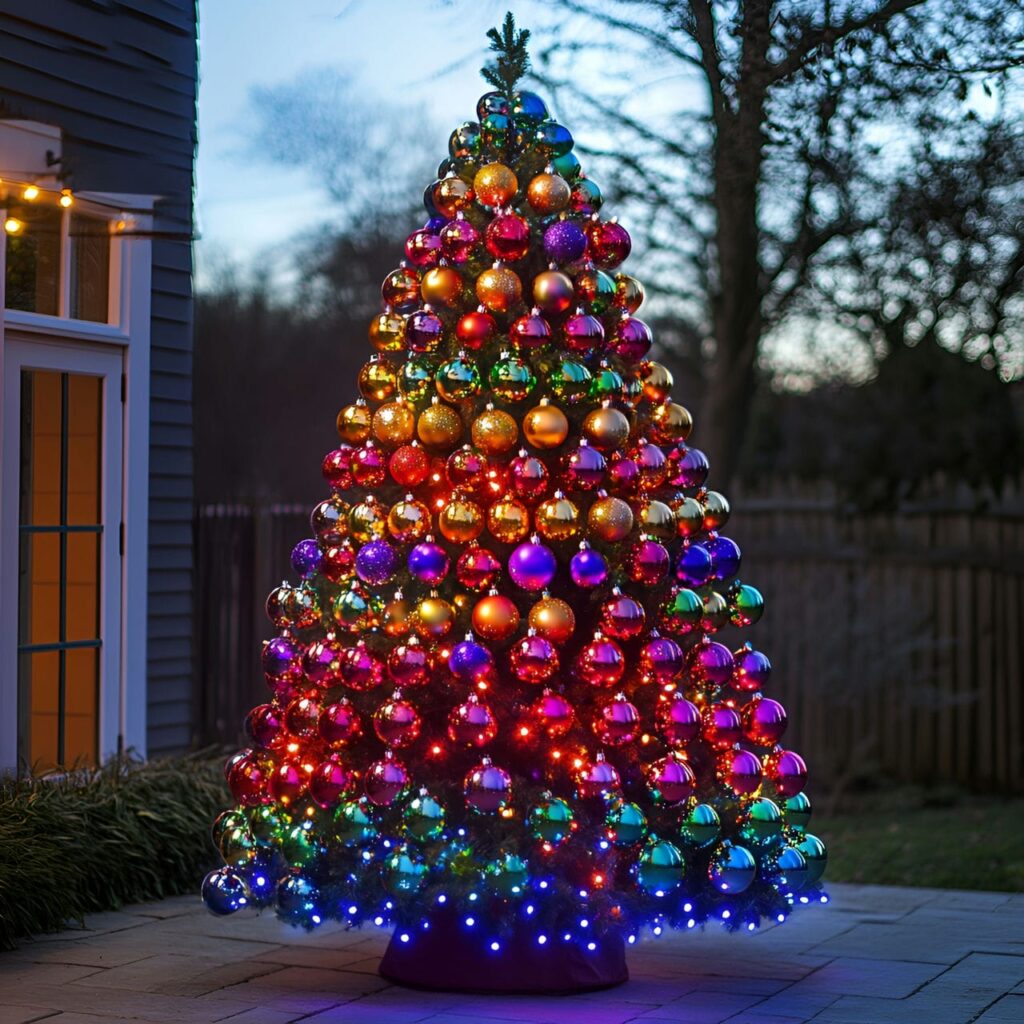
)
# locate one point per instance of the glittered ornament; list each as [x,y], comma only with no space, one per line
[495,432]
[499,289]
[670,780]
[732,868]
[376,562]
[553,619]
[551,820]
[553,714]
[648,562]
[305,557]
[701,826]
[439,426]
[660,868]
[385,780]
[565,242]
[610,519]
[678,720]
[409,465]
[495,185]
[507,238]
[553,292]
[472,723]
[617,722]
[487,788]
[545,426]
[534,659]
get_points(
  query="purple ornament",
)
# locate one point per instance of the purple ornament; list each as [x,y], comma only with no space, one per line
[282,658]
[649,562]
[429,563]
[584,468]
[663,659]
[725,558]
[588,568]
[376,562]
[532,566]
[584,334]
[306,557]
[693,564]
[688,467]
[712,662]
[752,669]
[633,339]
[565,242]
[423,331]
[470,661]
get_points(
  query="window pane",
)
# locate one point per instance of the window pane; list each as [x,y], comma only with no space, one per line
[81,706]
[33,259]
[40,674]
[84,397]
[40,447]
[83,586]
[90,268]
[39,613]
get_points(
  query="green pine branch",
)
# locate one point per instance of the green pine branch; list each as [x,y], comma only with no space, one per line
[511,61]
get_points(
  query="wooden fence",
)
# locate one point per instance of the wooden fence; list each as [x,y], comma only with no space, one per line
[897,639]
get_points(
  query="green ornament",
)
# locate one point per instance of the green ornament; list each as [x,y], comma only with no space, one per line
[682,612]
[353,825]
[606,383]
[632,389]
[660,867]
[424,818]
[508,875]
[551,820]
[816,856]
[732,868]
[569,380]
[266,825]
[403,874]
[598,289]
[462,864]
[512,379]
[299,846]
[568,166]
[496,131]
[465,141]
[626,824]
[746,605]
[415,378]
[701,826]
[457,379]
[226,822]
[788,869]
[762,822]
[353,610]
[237,847]
[798,811]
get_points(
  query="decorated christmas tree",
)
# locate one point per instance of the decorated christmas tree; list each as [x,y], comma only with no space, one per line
[510,698]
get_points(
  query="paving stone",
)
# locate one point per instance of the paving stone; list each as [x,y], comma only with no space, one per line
[791,1002]
[1010,1007]
[854,976]
[701,1008]
[14,979]
[24,1014]
[357,1013]
[264,1015]
[920,944]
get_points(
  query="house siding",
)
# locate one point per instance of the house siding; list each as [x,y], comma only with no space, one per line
[119,78]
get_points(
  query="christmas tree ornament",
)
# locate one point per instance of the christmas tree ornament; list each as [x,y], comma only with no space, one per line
[353,824]
[586,197]
[495,432]
[532,565]
[564,242]
[472,723]
[495,617]
[508,875]
[660,867]
[461,521]
[507,238]
[477,568]
[530,332]
[534,659]
[557,519]
[322,660]
[264,726]
[609,243]
[329,780]
[617,722]
[588,567]
[404,872]
[495,185]
[545,426]
[428,562]
[476,329]
[508,520]
[487,788]
[548,194]
[224,892]
[732,868]
[682,611]
[301,716]
[722,727]
[670,780]
[434,618]
[409,465]
[553,619]
[678,720]
[469,661]
[597,779]
[626,824]
[377,381]
[711,662]
[725,557]
[416,379]
[622,616]
[401,289]
[441,286]
[583,334]
[610,520]
[746,605]
[648,562]
[787,868]
[306,556]
[761,822]
[815,856]
[629,295]
[553,293]
[701,826]
[423,818]
[422,248]
[551,820]
[632,339]
[716,612]
[787,770]
[764,721]
[338,724]
[396,722]
[741,771]
[360,668]
[716,510]
[287,783]
[387,331]
[439,426]
[670,422]
[553,714]
[601,662]
[450,195]
[499,288]
[606,428]
[797,810]
[385,780]
[376,562]
[584,468]
[457,380]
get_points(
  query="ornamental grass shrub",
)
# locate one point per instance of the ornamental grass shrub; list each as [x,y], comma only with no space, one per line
[96,839]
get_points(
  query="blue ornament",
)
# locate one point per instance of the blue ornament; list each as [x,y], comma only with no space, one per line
[296,896]
[434,224]
[732,868]
[470,661]
[553,138]
[429,563]
[565,242]
[725,558]
[224,892]
[788,869]
[532,565]
[306,557]
[588,568]
[528,106]
[376,562]
[693,564]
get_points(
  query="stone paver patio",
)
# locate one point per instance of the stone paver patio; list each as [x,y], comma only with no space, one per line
[874,955]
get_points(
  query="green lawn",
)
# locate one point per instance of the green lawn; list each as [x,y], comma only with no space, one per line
[975,843]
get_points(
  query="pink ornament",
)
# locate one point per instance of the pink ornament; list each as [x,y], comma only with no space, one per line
[287,783]
[553,713]
[670,780]
[321,662]
[618,722]
[679,720]
[337,468]
[597,778]
[385,780]
[662,659]
[632,340]
[710,662]
[787,770]
[328,781]
[649,562]
[764,721]
[396,722]
[301,717]
[623,617]
[752,669]
[339,724]
[472,724]
[740,770]
[723,726]
[360,669]
[487,788]
[264,725]
[408,665]
[601,662]
[534,659]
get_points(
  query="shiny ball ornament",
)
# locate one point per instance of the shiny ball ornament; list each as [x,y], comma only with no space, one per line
[564,242]
[339,562]
[532,566]
[610,520]
[670,423]
[608,243]
[465,142]
[461,521]
[472,724]
[688,467]
[601,662]
[725,562]
[441,286]
[377,381]
[457,380]
[328,518]
[746,605]
[264,726]
[499,289]
[361,669]
[395,618]
[495,131]
[711,662]
[678,720]
[439,426]
[618,722]
[752,669]
[815,856]
[586,197]
[369,466]
[798,811]
[787,868]
[606,428]
[557,519]
[760,822]
[631,340]
[584,468]
[629,295]
[653,466]
[716,510]
[495,617]
[466,469]
[487,788]
[435,618]
[529,476]
[353,610]
[670,780]
[495,432]
[387,332]
[534,659]
[224,892]
[553,139]
[322,661]
[327,783]
[622,617]
[507,238]
[553,293]
[553,619]
[397,723]
[338,724]
[570,380]
[336,468]
[475,330]
[423,247]
[470,662]
[716,612]
[508,520]
[385,781]
[401,289]
[287,783]
[548,194]
[596,290]
[551,820]
[403,874]
[477,569]
[588,568]
[741,771]
[623,474]
[530,332]
[787,770]
[681,613]
[660,868]
[732,868]
[512,379]
[423,818]
[408,520]
[495,185]
[424,331]
[459,241]
[297,897]
[409,465]
[282,660]
[508,875]
[300,717]
[723,726]
[376,562]
[701,826]
[492,103]
[429,563]
[567,165]
[247,780]
[553,714]
[545,426]
[353,824]
[764,721]
[648,562]
[451,195]
[658,383]
[626,824]
[606,383]
[416,379]
[408,664]
[597,778]
[583,335]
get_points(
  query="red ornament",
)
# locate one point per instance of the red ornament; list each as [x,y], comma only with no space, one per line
[618,722]
[529,476]
[476,329]
[338,561]
[487,787]
[385,780]
[409,465]
[608,243]
[287,783]
[361,669]
[787,770]
[321,662]
[369,466]
[467,470]
[337,468]
[622,617]
[601,662]
[472,723]
[583,334]
[422,248]
[764,721]
[458,240]
[508,237]
[328,781]
[247,779]
[396,722]
[477,568]
[408,664]
[553,713]
[598,777]
[534,659]
[648,562]
[530,332]
[301,717]
[740,770]
[339,724]
[663,659]
[671,780]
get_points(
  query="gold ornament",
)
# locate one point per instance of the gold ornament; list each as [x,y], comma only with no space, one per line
[657,383]
[434,618]
[377,381]
[367,520]
[499,289]
[441,286]
[610,519]
[495,185]
[557,518]
[354,423]
[716,612]
[397,614]
[495,432]
[461,521]
[451,195]
[508,520]
[495,617]
[408,520]
[671,422]
[606,428]
[716,510]
[394,424]
[657,519]
[689,515]
[387,332]
[629,293]
[553,292]
[439,426]
[548,193]
[545,426]
[553,619]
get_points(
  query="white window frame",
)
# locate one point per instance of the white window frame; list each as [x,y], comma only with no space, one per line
[127,334]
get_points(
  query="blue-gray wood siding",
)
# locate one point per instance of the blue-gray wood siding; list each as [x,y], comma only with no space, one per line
[119,78]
